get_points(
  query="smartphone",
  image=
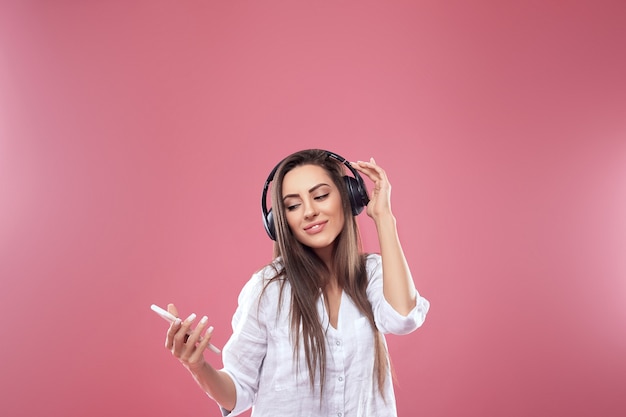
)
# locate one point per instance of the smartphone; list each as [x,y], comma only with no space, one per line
[171,318]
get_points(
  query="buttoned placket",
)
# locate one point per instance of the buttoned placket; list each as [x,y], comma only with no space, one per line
[338,376]
[335,344]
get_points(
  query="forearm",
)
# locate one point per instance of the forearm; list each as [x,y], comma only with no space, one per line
[217,384]
[398,286]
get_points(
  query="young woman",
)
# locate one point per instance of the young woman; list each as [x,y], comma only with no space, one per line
[308,332]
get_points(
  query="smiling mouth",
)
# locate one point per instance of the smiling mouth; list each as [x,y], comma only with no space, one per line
[315,227]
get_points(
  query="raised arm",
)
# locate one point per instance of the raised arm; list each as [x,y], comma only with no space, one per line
[398,286]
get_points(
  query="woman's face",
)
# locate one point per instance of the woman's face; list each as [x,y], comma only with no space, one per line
[313,207]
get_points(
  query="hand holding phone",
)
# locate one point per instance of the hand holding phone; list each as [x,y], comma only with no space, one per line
[171,318]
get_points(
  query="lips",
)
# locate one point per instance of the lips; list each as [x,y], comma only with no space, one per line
[315,228]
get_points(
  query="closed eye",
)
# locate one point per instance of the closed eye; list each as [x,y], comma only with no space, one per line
[292,207]
[321,197]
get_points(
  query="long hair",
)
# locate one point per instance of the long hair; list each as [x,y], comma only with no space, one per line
[308,275]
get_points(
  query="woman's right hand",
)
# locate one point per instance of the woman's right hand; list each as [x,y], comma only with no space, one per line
[185,344]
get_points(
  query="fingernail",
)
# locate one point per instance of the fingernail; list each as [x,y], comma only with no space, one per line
[177,321]
[204,319]
[191,317]
[209,330]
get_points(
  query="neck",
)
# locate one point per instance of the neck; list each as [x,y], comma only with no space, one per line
[332,284]
[326,255]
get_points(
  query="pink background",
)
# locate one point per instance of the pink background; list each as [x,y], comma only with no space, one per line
[135,138]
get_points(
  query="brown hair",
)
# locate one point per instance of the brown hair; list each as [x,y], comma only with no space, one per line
[307,274]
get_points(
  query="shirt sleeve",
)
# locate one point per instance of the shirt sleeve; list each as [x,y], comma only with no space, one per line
[244,352]
[388,320]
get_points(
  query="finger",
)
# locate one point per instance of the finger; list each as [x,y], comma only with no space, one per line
[371,164]
[195,335]
[356,165]
[375,174]
[366,168]
[182,335]
[172,309]
[206,339]
[192,339]
[171,333]
[186,324]
[198,354]
[195,358]
[376,168]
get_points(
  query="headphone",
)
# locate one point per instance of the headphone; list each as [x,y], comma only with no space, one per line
[357,193]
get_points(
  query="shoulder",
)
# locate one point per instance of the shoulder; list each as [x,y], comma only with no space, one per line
[265,283]
[269,271]
[373,262]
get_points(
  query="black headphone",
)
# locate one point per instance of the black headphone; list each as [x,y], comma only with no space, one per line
[356,192]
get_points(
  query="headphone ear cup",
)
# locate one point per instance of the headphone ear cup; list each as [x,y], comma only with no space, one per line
[268,222]
[357,202]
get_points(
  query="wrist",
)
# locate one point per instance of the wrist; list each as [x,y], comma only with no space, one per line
[196,368]
[385,219]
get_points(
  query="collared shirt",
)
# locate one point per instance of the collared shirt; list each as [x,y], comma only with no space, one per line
[259,355]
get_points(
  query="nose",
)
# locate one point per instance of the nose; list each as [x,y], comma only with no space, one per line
[310,211]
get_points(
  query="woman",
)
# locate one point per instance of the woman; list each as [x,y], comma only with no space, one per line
[308,332]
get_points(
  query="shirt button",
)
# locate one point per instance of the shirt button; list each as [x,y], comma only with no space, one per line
[338,342]
[339,414]
[340,378]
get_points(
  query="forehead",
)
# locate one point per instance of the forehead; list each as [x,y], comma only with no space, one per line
[304,177]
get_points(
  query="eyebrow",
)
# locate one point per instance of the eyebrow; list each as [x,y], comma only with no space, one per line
[310,191]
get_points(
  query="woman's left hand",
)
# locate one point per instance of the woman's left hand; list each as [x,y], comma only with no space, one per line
[380,196]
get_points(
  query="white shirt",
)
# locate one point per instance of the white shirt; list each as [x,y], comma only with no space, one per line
[259,355]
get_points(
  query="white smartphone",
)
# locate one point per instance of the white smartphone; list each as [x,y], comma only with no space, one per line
[171,318]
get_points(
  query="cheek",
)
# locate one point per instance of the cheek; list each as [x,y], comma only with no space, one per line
[340,214]
[291,220]
[339,210]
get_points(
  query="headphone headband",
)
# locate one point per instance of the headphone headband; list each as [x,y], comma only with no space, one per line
[357,192]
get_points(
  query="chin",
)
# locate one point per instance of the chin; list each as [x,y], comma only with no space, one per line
[321,247]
